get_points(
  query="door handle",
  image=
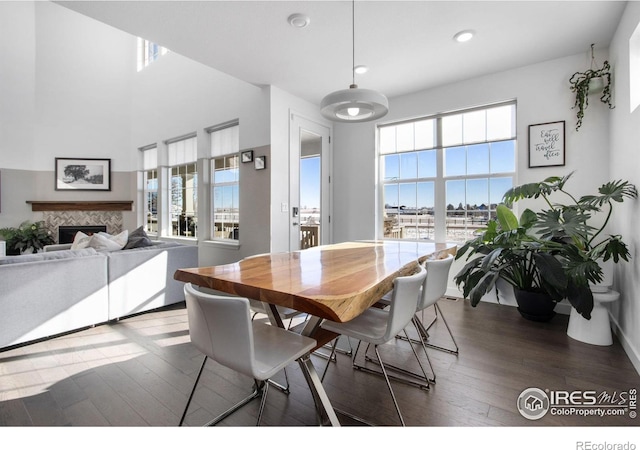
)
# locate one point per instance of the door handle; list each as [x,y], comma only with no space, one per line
[294,223]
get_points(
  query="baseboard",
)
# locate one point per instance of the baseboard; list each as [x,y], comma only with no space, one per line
[630,350]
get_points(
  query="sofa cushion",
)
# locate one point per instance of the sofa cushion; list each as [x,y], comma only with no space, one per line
[105,241]
[138,238]
[62,254]
[80,240]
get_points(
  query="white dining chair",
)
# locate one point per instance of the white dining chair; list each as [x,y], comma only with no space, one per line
[432,290]
[377,326]
[221,328]
[435,286]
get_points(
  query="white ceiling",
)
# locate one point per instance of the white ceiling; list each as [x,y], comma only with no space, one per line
[408,45]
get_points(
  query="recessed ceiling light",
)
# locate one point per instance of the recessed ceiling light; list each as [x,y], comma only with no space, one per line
[360,69]
[298,20]
[464,36]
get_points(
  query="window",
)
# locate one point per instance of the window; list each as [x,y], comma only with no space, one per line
[148,52]
[183,189]
[225,183]
[634,69]
[150,186]
[443,176]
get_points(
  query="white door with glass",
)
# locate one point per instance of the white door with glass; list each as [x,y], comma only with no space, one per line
[309,196]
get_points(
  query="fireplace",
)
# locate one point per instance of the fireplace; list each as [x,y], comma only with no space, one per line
[67,233]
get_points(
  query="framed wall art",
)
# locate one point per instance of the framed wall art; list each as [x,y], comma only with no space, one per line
[546,144]
[86,174]
[260,162]
[247,156]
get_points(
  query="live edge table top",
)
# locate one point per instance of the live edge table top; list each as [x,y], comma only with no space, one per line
[335,282]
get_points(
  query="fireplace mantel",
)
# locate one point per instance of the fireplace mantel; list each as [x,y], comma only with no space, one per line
[115,205]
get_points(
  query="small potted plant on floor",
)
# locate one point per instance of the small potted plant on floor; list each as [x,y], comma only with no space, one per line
[26,238]
[592,81]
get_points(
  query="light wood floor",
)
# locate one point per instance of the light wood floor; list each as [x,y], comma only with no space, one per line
[139,372]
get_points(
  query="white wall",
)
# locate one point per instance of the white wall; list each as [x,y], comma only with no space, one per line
[283,105]
[625,165]
[65,93]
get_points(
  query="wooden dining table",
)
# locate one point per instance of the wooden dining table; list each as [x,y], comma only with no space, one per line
[335,282]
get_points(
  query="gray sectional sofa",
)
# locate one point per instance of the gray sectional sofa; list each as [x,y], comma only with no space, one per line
[50,293]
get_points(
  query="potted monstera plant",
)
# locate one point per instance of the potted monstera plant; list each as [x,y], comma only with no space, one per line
[575,222]
[508,249]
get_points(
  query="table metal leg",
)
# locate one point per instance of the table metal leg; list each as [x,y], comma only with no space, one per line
[320,397]
[317,390]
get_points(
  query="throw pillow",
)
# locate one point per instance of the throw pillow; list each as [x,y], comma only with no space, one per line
[138,238]
[105,241]
[80,241]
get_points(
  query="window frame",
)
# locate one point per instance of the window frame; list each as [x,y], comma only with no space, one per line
[440,214]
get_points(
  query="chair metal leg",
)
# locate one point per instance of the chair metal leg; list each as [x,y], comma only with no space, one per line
[265,388]
[255,394]
[329,358]
[260,389]
[424,385]
[186,408]
[424,331]
[386,377]
[436,347]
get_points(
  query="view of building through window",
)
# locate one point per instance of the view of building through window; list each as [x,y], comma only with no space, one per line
[151,198]
[443,176]
[226,197]
[184,200]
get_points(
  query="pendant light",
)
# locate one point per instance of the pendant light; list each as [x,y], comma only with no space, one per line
[354,104]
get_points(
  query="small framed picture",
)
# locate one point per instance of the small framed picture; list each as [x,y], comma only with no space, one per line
[247,156]
[86,174]
[546,144]
[261,162]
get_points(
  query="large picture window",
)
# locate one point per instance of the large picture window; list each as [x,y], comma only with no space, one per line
[443,176]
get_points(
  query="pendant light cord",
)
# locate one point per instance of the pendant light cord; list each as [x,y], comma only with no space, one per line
[353,41]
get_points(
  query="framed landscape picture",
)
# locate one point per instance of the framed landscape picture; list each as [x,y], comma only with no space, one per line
[546,144]
[87,174]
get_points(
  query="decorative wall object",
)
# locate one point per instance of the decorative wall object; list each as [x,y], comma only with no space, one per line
[247,156]
[87,174]
[546,144]
[261,162]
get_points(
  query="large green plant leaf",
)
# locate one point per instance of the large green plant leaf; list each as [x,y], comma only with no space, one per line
[615,191]
[506,218]
[534,190]
[581,298]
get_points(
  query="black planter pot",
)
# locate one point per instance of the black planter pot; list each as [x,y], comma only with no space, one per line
[535,306]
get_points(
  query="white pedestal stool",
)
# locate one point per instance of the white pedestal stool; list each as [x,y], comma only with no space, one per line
[596,331]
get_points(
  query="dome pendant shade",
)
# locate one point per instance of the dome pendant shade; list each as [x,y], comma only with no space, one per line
[354,105]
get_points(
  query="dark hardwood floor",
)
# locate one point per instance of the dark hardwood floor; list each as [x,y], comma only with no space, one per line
[139,371]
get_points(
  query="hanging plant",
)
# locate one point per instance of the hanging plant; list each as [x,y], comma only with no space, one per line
[592,81]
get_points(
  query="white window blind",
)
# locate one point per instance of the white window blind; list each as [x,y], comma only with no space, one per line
[182,151]
[150,158]
[225,141]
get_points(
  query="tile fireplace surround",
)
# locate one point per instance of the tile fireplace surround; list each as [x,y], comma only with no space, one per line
[82,213]
[54,219]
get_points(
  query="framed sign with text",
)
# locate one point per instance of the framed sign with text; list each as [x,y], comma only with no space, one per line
[546,144]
